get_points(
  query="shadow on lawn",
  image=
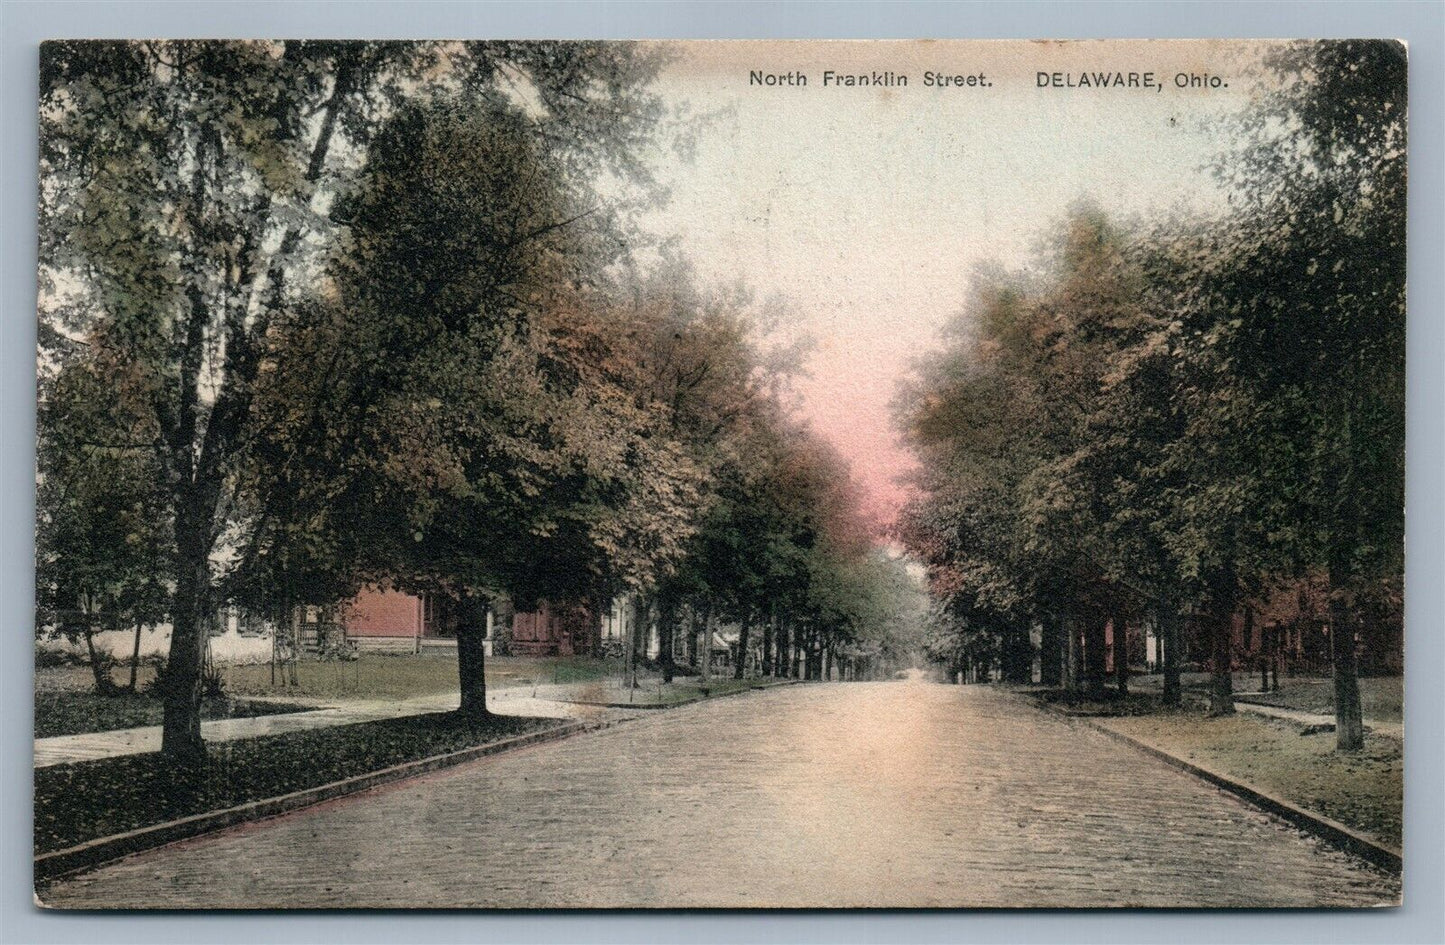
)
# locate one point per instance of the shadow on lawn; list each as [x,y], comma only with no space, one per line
[79,802]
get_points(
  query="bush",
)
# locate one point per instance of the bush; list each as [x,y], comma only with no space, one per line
[337,649]
[47,657]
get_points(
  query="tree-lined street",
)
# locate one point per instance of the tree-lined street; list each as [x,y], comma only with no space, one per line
[404,347]
[881,794]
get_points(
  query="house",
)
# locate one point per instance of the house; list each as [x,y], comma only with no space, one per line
[1291,624]
[386,620]
[554,630]
[566,629]
[1287,628]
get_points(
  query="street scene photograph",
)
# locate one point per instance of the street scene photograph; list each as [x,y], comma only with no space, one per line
[735,474]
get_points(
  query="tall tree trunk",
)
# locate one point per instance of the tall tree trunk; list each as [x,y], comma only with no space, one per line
[103,682]
[1167,622]
[1051,646]
[1121,654]
[781,666]
[828,661]
[1073,662]
[634,630]
[785,649]
[181,715]
[1018,656]
[1094,662]
[743,633]
[641,634]
[691,635]
[769,631]
[134,659]
[709,625]
[1221,683]
[472,654]
[1349,717]
[667,630]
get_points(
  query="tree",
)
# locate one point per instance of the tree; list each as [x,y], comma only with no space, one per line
[1015,485]
[961,417]
[185,195]
[1316,296]
[485,439]
[701,366]
[102,538]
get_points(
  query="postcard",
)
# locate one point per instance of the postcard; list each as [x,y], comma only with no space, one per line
[720,474]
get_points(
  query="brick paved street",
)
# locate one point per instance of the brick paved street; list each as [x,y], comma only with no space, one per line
[882,794]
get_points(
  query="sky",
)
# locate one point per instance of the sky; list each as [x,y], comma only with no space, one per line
[865,208]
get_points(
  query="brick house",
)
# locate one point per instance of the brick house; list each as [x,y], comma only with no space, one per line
[1288,627]
[395,621]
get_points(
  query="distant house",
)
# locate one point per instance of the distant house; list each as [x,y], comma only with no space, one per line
[555,629]
[1292,624]
[1288,628]
[395,621]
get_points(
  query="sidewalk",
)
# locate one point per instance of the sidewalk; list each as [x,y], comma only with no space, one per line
[1249,699]
[65,749]
[1310,719]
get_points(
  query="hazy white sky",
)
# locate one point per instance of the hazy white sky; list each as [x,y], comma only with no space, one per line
[866,207]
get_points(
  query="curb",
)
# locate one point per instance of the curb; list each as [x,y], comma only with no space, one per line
[93,853]
[1331,831]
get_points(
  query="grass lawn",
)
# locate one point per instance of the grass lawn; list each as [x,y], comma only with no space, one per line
[1364,790]
[1111,703]
[79,802]
[1381,697]
[383,676]
[373,676]
[60,712]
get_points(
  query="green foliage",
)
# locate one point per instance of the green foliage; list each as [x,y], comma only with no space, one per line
[102,536]
[487,436]
[193,236]
[1169,417]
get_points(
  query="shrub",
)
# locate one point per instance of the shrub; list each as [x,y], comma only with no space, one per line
[337,649]
[47,657]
